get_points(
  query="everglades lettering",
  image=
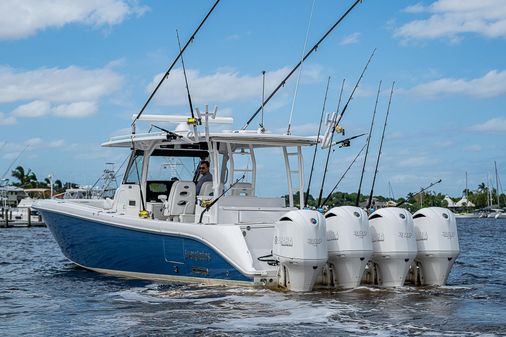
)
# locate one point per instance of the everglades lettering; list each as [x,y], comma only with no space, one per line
[197,256]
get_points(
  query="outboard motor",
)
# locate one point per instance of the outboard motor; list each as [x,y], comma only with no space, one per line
[394,245]
[300,246]
[349,245]
[438,245]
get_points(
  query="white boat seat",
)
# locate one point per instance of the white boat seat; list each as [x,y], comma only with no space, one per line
[181,199]
[207,189]
[242,189]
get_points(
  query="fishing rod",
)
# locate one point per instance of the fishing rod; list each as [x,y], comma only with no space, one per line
[381,146]
[208,206]
[317,140]
[421,191]
[170,135]
[330,147]
[342,177]
[181,51]
[289,128]
[340,116]
[299,64]
[334,124]
[185,77]
[346,142]
[15,160]
[367,149]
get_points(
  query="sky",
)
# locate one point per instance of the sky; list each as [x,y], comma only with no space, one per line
[72,73]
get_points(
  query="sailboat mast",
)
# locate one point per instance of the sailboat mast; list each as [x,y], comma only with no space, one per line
[496,184]
[466,187]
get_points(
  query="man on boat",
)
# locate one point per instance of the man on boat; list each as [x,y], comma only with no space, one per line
[205,175]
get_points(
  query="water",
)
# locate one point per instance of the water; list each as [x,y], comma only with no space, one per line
[43,294]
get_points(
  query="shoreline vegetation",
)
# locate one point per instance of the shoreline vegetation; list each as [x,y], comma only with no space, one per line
[413,201]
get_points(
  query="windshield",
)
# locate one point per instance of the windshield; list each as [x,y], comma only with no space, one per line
[174,165]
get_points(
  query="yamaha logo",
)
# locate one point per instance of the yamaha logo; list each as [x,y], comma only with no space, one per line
[314,221]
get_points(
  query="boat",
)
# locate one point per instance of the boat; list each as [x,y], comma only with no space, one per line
[467,215]
[157,227]
[496,213]
[164,223]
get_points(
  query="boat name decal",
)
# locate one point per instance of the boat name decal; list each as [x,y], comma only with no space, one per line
[196,255]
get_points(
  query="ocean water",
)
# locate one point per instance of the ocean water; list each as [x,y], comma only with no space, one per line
[43,294]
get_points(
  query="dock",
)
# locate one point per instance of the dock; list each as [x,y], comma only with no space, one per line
[20,217]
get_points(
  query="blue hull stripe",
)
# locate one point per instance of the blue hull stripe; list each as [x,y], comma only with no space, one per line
[98,245]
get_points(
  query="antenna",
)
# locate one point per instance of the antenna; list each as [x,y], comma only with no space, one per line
[288,131]
[262,127]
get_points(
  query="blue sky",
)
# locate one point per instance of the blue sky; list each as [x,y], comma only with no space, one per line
[73,73]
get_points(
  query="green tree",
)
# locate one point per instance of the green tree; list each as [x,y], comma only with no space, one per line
[25,179]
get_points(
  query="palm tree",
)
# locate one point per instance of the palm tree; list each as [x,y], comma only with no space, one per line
[28,179]
[482,187]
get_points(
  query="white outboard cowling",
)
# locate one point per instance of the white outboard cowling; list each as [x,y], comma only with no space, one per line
[349,245]
[394,245]
[300,246]
[438,244]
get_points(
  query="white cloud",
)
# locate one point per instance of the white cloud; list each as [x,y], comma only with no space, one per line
[63,92]
[491,84]
[56,143]
[32,109]
[451,18]
[6,120]
[492,125]
[351,39]
[33,142]
[57,84]
[20,19]
[418,8]
[76,110]
[223,86]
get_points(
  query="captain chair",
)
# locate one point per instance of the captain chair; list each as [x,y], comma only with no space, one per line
[207,189]
[181,200]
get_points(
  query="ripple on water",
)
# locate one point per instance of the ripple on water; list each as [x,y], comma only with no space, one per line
[41,293]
